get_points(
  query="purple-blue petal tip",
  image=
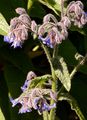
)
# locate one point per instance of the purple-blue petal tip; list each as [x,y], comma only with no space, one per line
[46,41]
[14,102]
[24,110]
[36,103]
[6,39]
[16,44]
[26,84]
[12,40]
[48,107]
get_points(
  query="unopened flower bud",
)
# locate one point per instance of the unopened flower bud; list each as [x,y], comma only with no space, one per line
[20,11]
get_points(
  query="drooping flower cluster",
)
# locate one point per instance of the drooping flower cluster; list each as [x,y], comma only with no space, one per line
[52,32]
[35,98]
[19,28]
[76,13]
[55,31]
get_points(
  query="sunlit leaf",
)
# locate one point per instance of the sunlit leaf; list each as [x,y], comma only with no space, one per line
[4,27]
[38,81]
[52,4]
[1,115]
[62,72]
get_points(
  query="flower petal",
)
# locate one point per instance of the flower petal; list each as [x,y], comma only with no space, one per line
[24,110]
[14,102]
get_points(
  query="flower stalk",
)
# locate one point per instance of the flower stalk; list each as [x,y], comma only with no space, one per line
[82,62]
[54,85]
[51,33]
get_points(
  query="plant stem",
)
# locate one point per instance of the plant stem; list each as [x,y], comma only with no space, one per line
[45,115]
[54,87]
[75,70]
[62,8]
[52,111]
[48,56]
[55,51]
[78,66]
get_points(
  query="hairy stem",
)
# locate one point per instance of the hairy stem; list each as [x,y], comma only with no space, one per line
[78,66]
[52,111]
[62,8]
[45,115]
[48,56]
[82,62]
[54,87]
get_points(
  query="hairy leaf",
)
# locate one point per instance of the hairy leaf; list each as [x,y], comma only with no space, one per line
[38,81]
[62,73]
[52,4]
[1,115]
[4,27]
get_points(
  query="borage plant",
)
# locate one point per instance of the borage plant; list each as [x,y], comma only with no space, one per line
[44,92]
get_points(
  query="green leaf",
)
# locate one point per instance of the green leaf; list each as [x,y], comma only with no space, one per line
[73,103]
[52,4]
[38,81]
[62,72]
[1,115]
[4,27]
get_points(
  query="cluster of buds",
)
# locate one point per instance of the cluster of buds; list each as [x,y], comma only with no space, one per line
[19,28]
[36,98]
[52,32]
[76,13]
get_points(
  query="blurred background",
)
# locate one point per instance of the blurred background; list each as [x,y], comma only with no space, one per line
[15,63]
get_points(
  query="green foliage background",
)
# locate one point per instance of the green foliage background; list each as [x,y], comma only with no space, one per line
[15,63]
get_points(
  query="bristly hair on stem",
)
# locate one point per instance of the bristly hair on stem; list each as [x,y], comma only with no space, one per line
[62,8]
